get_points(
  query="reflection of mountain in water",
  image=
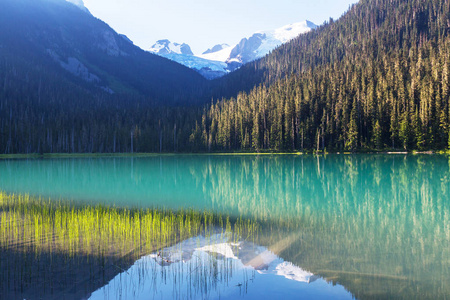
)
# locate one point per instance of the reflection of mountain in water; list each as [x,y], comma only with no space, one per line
[215,268]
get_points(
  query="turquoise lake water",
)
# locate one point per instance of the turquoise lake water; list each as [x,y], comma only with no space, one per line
[373,226]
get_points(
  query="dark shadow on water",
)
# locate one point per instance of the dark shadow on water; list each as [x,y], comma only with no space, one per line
[29,275]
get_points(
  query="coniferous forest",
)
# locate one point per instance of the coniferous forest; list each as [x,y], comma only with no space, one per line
[377,78]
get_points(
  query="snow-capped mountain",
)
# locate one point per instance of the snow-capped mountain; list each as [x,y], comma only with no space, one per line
[182,54]
[261,43]
[222,59]
[164,47]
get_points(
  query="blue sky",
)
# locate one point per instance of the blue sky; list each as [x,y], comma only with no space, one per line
[205,23]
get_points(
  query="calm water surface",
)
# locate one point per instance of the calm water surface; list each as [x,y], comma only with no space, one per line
[362,226]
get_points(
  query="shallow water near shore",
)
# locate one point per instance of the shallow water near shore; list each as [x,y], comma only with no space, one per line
[366,226]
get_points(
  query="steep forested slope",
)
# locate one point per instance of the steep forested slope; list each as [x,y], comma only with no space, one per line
[55,37]
[369,28]
[376,78]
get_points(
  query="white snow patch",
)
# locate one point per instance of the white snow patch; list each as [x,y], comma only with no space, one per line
[175,48]
[288,32]
[221,55]
[282,35]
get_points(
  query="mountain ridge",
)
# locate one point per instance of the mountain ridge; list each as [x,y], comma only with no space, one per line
[247,50]
[216,48]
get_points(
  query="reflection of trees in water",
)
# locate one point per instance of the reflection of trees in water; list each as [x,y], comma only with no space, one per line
[379,223]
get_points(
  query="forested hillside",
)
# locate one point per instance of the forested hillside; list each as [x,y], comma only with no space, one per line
[69,83]
[376,78]
[50,114]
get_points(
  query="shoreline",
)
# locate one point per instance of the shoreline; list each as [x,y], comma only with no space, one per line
[137,155]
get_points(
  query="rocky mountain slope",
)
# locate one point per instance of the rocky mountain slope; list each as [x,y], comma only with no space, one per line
[43,37]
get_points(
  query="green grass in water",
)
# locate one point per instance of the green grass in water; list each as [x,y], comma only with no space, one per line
[43,225]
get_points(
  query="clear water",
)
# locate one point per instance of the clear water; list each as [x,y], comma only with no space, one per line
[376,225]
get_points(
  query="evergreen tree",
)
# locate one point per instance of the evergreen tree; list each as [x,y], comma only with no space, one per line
[352,139]
[404,130]
[377,132]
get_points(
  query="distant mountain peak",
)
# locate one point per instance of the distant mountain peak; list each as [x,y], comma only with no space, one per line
[262,42]
[257,45]
[164,47]
[288,32]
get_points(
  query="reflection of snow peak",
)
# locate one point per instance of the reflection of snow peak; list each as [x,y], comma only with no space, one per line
[223,249]
[248,254]
[265,262]
[213,268]
[289,271]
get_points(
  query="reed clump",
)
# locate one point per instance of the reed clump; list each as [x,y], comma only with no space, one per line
[29,222]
